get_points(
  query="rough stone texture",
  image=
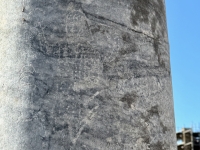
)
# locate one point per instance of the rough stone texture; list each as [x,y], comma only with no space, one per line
[85,75]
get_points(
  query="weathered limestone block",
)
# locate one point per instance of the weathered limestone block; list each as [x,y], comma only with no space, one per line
[85,75]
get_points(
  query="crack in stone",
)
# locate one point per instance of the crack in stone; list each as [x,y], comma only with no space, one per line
[87,14]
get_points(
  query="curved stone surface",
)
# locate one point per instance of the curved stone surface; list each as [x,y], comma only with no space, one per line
[85,75]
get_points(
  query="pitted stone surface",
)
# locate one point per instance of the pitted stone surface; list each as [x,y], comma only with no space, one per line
[85,75]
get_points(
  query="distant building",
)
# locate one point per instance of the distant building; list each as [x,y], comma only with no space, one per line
[188,140]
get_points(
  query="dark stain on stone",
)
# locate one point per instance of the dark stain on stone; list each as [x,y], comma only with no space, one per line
[126,37]
[159,16]
[153,26]
[130,46]
[162,64]
[145,134]
[156,46]
[61,127]
[129,98]
[134,65]
[157,146]
[140,12]
[93,90]
[41,88]
[153,111]
[91,106]
[114,77]
[146,138]
[99,97]
[157,52]
[130,49]
[49,48]
[161,11]
[84,47]
[87,25]
[145,117]
[95,29]
[164,128]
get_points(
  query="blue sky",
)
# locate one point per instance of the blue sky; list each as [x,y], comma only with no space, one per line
[183,20]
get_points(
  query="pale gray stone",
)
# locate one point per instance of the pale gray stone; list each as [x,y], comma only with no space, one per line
[85,75]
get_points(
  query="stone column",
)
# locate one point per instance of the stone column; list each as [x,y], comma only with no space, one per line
[85,75]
